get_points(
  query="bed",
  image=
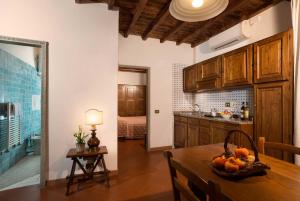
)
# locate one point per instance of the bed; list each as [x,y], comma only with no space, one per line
[132,127]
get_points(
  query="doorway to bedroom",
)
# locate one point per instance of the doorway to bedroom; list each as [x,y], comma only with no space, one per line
[132,108]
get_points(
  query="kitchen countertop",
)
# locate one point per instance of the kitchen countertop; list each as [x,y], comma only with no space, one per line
[200,115]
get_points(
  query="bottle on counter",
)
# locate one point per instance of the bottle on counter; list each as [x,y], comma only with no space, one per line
[246,112]
[242,111]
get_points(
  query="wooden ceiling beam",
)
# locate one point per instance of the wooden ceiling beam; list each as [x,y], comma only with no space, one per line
[138,11]
[157,21]
[111,4]
[213,20]
[172,31]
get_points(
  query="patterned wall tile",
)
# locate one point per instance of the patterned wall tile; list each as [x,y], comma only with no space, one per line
[181,101]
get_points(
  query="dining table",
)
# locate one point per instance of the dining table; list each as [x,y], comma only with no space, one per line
[280,183]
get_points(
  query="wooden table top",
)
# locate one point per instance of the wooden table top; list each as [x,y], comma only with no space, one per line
[281,183]
[87,153]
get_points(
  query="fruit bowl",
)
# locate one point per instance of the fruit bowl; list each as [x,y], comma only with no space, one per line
[240,163]
[226,114]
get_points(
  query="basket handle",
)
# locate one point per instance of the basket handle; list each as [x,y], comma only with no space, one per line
[230,133]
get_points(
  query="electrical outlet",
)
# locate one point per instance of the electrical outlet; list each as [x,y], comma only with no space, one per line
[227,104]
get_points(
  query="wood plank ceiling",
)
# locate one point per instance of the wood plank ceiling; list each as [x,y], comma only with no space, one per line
[151,19]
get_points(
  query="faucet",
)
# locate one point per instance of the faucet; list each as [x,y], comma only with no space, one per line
[196,108]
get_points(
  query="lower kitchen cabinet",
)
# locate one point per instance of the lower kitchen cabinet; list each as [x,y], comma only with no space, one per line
[190,132]
[204,132]
[180,131]
[193,132]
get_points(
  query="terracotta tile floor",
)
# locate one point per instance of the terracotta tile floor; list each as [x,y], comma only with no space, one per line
[142,176]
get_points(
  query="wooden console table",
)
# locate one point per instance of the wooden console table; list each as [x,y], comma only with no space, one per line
[96,156]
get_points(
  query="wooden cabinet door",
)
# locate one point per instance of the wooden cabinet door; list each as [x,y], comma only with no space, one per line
[193,132]
[237,67]
[272,58]
[273,114]
[209,69]
[121,100]
[140,98]
[180,134]
[130,100]
[219,131]
[190,79]
[204,135]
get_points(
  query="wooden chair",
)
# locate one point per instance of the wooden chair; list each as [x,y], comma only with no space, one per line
[180,188]
[262,144]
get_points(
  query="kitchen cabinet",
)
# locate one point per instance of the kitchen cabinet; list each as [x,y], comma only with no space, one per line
[237,67]
[204,132]
[273,115]
[209,74]
[190,79]
[193,132]
[190,131]
[180,131]
[209,69]
[272,57]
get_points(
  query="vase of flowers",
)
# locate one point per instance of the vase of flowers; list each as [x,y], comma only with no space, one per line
[80,139]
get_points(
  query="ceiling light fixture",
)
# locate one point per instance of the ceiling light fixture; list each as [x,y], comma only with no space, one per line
[197,3]
[197,10]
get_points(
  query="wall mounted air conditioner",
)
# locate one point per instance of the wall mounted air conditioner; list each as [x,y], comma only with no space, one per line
[231,36]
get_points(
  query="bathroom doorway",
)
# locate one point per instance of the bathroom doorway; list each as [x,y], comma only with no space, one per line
[23,113]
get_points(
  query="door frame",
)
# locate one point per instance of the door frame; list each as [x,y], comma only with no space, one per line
[142,69]
[44,163]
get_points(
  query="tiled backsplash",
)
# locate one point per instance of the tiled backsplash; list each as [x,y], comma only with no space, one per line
[207,100]
[181,101]
[217,99]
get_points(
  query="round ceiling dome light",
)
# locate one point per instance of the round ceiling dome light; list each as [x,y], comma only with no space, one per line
[197,10]
[197,3]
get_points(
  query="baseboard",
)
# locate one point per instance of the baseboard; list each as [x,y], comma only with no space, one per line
[61,181]
[160,148]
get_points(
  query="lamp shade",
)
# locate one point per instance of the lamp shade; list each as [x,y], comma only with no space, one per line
[197,10]
[93,117]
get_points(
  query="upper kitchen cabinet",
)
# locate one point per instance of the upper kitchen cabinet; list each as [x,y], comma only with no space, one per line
[237,67]
[272,58]
[209,69]
[190,79]
[209,74]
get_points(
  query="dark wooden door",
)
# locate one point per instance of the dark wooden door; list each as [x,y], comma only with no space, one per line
[131,100]
[140,104]
[180,134]
[204,136]
[272,58]
[209,69]
[190,79]
[122,100]
[237,67]
[273,114]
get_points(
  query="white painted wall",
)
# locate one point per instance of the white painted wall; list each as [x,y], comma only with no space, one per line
[132,78]
[274,20]
[83,64]
[159,58]
[25,53]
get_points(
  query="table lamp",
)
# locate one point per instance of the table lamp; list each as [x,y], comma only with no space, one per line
[93,117]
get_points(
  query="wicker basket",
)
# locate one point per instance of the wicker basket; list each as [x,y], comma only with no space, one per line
[257,168]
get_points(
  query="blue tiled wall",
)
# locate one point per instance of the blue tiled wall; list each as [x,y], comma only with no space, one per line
[18,82]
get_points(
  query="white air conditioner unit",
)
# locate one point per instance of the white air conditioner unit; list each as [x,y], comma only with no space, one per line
[231,36]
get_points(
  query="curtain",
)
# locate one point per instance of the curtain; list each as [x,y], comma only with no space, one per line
[296,31]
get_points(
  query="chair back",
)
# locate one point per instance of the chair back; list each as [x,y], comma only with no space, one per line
[262,145]
[180,188]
